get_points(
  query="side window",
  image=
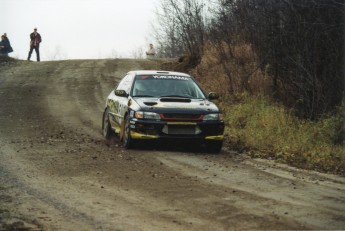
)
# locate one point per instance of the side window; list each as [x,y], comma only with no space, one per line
[125,83]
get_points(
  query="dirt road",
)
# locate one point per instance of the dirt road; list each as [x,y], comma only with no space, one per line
[58,173]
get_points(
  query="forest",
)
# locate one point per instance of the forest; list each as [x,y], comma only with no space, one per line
[278,66]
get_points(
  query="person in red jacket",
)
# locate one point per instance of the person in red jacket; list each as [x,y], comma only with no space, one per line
[35,40]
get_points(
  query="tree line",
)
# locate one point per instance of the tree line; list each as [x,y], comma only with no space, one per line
[298,44]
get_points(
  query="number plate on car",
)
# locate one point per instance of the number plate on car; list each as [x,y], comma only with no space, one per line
[179,130]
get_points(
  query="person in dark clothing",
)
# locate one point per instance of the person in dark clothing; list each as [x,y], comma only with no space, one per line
[9,49]
[35,40]
[5,46]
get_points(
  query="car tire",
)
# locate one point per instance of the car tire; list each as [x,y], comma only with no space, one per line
[107,132]
[127,140]
[214,146]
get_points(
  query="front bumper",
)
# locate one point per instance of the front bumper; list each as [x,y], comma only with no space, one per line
[202,130]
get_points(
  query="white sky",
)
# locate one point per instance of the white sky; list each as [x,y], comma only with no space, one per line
[79,29]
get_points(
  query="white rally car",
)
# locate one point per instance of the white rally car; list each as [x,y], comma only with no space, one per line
[162,105]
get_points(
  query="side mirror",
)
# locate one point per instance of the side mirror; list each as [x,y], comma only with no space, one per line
[121,93]
[213,95]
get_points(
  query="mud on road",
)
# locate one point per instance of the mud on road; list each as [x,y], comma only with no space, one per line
[58,173]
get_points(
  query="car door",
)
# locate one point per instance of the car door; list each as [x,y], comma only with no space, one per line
[121,103]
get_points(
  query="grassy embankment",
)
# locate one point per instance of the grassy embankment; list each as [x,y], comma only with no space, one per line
[263,128]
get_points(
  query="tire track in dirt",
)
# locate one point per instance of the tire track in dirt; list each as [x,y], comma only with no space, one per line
[284,193]
[67,177]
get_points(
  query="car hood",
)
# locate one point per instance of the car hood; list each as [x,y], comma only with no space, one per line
[172,104]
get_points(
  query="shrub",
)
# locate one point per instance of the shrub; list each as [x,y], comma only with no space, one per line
[265,129]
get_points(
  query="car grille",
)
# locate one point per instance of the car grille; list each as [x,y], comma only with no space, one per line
[180,116]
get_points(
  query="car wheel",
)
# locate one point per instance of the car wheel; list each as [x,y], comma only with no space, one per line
[127,141]
[214,146]
[106,127]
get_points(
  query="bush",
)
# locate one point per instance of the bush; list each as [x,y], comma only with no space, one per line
[257,125]
[265,129]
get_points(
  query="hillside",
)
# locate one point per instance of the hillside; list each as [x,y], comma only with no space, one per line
[58,173]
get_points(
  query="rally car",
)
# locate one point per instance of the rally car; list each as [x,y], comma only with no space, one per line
[160,105]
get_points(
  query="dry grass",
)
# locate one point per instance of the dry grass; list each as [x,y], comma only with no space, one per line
[5,59]
[265,129]
[244,74]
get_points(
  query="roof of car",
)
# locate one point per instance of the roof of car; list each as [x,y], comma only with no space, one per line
[157,72]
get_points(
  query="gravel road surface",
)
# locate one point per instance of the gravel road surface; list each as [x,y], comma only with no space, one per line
[58,173]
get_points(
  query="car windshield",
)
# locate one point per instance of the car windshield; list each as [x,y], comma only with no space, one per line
[166,86]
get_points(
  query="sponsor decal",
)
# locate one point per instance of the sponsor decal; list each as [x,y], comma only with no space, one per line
[170,77]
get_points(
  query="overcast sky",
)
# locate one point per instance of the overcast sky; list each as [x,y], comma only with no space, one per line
[79,29]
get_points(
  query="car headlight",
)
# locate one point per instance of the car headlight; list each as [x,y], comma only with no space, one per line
[146,115]
[213,116]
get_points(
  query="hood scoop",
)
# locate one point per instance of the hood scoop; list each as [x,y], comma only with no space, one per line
[175,99]
[150,103]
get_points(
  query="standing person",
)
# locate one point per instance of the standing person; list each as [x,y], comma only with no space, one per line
[35,40]
[151,52]
[5,46]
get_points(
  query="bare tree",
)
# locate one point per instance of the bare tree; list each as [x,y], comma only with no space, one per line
[137,53]
[181,28]
[299,43]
